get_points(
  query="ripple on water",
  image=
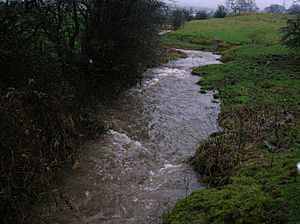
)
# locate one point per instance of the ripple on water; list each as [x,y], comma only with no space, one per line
[135,172]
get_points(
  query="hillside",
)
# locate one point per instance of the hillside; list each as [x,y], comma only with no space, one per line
[250,168]
[247,28]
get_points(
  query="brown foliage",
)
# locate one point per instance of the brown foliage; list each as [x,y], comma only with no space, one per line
[244,130]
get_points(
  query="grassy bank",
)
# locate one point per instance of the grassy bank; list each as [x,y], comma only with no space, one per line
[250,167]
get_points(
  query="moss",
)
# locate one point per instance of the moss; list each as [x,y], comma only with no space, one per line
[263,191]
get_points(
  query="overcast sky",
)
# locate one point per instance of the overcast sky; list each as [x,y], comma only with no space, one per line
[214,3]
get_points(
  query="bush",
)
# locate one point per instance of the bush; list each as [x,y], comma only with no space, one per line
[291,33]
[201,14]
[221,12]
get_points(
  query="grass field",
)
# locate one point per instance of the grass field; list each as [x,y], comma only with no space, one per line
[236,30]
[250,167]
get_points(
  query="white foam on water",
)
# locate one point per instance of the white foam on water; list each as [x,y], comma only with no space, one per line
[169,168]
[135,172]
[194,59]
[122,139]
[171,72]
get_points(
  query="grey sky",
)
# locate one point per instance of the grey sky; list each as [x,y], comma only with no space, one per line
[213,3]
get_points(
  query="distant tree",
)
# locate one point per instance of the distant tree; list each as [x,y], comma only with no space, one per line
[188,13]
[294,9]
[248,6]
[210,13]
[201,14]
[181,15]
[177,18]
[192,11]
[291,33]
[221,12]
[232,6]
[239,6]
[274,8]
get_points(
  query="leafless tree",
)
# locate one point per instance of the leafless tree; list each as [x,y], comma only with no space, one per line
[239,6]
[274,8]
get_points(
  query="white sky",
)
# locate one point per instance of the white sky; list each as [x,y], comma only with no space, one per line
[214,3]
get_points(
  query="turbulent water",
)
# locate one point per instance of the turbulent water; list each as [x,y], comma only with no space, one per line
[135,172]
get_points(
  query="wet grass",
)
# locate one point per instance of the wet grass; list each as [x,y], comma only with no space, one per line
[264,190]
[258,75]
[250,167]
[235,30]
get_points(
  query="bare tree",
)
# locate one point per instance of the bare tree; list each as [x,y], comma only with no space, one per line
[294,9]
[274,8]
[201,14]
[232,6]
[221,12]
[239,6]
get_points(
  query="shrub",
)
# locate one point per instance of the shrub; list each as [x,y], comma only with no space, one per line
[221,12]
[201,14]
[291,33]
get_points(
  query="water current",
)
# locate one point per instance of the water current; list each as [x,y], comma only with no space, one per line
[136,171]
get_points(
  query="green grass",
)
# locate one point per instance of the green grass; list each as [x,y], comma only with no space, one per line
[258,193]
[259,88]
[236,30]
[264,75]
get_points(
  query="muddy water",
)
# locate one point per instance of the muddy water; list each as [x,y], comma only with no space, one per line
[135,172]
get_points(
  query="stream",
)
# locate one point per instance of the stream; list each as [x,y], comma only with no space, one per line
[136,171]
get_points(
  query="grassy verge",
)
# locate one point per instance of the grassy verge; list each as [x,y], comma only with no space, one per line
[250,167]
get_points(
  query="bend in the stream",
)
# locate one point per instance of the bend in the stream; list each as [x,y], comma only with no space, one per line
[135,172]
